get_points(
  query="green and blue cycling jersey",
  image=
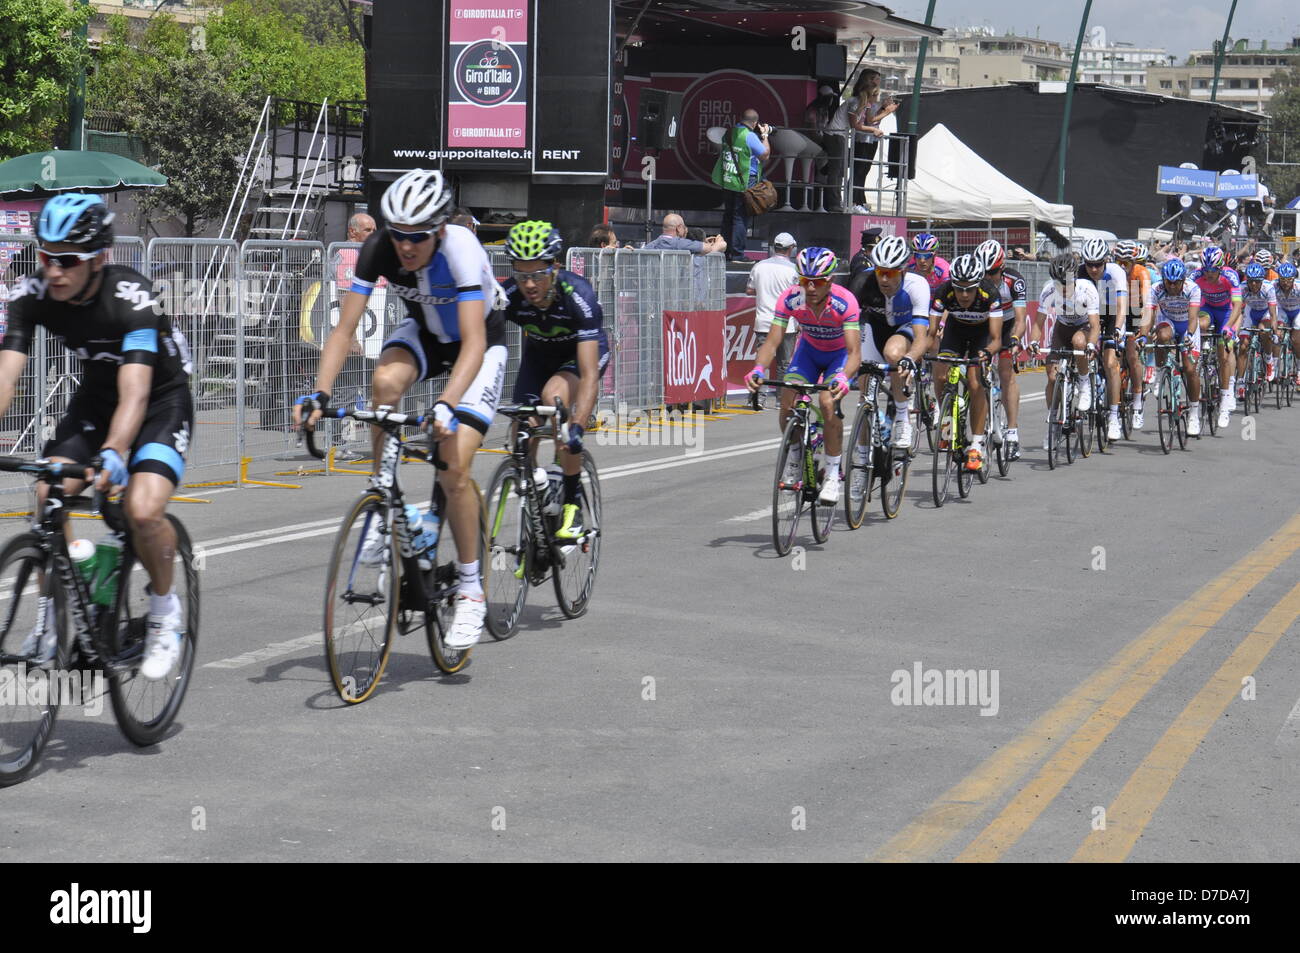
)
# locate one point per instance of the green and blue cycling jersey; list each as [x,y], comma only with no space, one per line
[552,334]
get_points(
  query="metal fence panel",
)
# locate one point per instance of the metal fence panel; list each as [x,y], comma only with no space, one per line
[285,306]
[47,381]
[197,281]
[128,251]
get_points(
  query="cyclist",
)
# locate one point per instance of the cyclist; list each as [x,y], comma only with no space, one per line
[453,323]
[1112,287]
[971,309]
[565,350]
[1173,304]
[1288,305]
[1131,258]
[893,302]
[1074,304]
[133,408]
[1221,303]
[1011,285]
[926,261]
[1259,309]
[828,352]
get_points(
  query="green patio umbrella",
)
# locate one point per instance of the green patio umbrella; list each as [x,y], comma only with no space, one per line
[40,175]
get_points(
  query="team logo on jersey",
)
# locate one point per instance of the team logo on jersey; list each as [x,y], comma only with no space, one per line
[133,292]
[488,73]
[419,297]
[27,286]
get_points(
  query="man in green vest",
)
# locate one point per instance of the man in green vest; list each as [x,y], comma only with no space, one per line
[736,170]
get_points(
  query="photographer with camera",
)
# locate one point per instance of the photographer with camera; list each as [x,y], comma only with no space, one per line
[738,168]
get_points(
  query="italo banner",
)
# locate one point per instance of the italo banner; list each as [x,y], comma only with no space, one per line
[487,76]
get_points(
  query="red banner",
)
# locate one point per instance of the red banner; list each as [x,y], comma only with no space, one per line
[693,356]
[742,339]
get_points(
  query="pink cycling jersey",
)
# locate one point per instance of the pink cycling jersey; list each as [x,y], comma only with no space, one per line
[1221,291]
[938,275]
[823,331]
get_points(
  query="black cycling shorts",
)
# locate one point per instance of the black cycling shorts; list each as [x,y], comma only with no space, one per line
[537,367]
[963,339]
[478,405]
[160,447]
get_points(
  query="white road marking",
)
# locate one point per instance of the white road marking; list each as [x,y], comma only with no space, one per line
[762,514]
[274,650]
[1290,733]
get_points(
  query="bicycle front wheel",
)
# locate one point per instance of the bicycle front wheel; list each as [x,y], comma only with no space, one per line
[508,552]
[575,580]
[27,720]
[1165,410]
[362,599]
[1000,451]
[1181,410]
[787,498]
[145,708]
[941,476]
[895,482]
[862,442]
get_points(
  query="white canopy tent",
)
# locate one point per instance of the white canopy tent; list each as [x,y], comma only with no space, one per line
[953,183]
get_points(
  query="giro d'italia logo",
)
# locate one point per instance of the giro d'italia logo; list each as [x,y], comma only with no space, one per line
[488,73]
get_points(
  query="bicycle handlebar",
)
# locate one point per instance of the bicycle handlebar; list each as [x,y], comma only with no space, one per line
[389,420]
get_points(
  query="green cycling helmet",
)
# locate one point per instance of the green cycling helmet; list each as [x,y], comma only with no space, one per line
[533,240]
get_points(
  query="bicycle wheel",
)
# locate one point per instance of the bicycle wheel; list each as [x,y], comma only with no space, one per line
[1209,406]
[1125,399]
[1165,410]
[438,620]
[929,407]
[787,499]
[1070,427]
[362,599]
[146,708]
[1055,430]
[822,516]
[891,494]
[1181,411]
[509,551]
[576,579]
[862,439]
[1000,449]
[1084,427]
[941,476]
[986,466]
[27,718]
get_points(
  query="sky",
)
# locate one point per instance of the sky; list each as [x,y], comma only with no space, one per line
[1177,26]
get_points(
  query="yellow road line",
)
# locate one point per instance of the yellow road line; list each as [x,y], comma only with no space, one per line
[1137,803]
[964,803]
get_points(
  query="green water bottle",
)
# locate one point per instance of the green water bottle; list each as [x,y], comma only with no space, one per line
[108,560]
[82,552]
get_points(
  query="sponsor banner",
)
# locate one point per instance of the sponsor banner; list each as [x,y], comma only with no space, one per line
[487,82]
[741,340]
[887,224]
[693,344]
[1237,187]
[1171,180]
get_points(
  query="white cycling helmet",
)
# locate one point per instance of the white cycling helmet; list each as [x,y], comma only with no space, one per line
[1095,250]
[891,252]
[417,198]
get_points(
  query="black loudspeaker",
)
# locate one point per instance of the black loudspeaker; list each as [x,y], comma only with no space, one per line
[830,61]
[657,118]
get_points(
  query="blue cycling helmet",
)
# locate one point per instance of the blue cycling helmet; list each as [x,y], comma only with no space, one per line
[1287,270]
[1256,272]
[78,219]
[1173,270]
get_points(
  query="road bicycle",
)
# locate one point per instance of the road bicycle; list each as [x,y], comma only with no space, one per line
[882,464]
[1171,396]
[1253,379]
[1208,370]
[375,587]
[1069,431]
[952,437]
[524,511]
[1284,382]
[995,425]
[802,441]
[98,632]
[924,405]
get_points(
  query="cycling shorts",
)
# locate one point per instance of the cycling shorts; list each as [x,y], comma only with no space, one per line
[812,365]
[877,334]
[536,367]
[478,405]
[1218,316]
[160,447]
[964,339]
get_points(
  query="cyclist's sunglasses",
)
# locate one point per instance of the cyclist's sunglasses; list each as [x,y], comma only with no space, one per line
[923,255]
[532,276]
[961,287]
[889,272]
[64,260]
[415,237]
[813,282]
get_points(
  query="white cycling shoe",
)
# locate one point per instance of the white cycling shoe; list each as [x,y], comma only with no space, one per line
[1114,431]
[1224,417]
[1137,419]
[467,625]
[903,433]
[162,642]
[1194,424]
[41,641]
[1084,403]
[830,492]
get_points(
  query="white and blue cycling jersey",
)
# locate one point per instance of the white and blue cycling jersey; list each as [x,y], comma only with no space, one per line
[458,271]
[1288,300]
[1255,304]
[1175,309]
[1112,290]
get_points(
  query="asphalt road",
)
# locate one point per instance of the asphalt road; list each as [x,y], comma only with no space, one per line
[719,703]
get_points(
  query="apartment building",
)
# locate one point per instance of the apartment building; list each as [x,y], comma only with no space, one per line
[1246,79]
[1117,63]
[977,57]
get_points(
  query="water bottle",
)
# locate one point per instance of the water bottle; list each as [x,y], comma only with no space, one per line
[424,534]
[1149,359]
[82,552]
[555,490]
[886,424]
[108,559]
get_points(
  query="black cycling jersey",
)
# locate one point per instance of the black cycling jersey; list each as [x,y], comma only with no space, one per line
[458,271]
[987,303]
[574,315]
[122,324]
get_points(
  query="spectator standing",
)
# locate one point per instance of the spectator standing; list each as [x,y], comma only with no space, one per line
[737,169]
[865,109]
[674,238]
[602,236]
[768,280]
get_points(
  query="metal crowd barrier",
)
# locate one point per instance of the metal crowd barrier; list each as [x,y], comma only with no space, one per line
[255,315]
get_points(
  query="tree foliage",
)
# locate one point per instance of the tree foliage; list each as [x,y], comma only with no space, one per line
[39,60]
[1284,111]
[195,123]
